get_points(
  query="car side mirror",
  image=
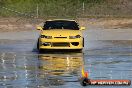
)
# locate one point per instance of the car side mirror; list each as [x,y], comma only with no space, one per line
[39,28]
[82,28]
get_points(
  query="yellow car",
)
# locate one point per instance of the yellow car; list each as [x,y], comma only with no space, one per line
[60,34]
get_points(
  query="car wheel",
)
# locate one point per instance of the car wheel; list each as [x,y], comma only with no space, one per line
[38,44]
[40,50]
[83,42]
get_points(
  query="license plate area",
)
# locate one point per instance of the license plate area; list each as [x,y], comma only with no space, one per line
[61,44]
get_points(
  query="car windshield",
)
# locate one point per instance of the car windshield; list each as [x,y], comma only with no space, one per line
[59,24]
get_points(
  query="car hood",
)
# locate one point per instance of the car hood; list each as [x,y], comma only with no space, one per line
[58,33]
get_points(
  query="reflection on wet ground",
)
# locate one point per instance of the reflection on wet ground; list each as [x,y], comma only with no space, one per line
[44,70]
[24,68]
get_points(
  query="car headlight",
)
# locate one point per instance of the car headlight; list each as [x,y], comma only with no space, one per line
[44,36]
[73,37]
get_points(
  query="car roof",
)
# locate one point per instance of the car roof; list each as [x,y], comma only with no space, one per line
[61,20]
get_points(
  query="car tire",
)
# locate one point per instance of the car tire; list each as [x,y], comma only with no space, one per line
[83,42]
[40,50]
[38,44]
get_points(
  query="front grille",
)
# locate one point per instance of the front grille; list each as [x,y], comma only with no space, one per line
[60,37]
[60,44]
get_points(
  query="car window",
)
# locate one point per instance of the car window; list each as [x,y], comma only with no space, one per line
[60,25]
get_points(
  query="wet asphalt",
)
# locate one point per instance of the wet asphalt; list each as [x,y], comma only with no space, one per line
[107,55]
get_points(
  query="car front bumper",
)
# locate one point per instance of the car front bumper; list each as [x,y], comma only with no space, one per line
[61,43]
